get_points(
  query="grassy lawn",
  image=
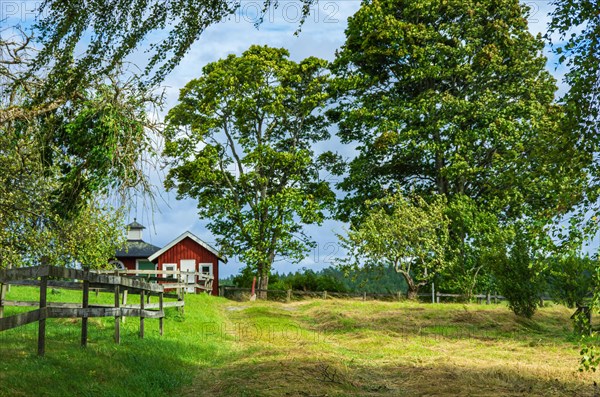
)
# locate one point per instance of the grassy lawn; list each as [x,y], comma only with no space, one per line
[309,348]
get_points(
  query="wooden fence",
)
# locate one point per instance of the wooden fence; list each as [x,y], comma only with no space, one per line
[170,279]
[44,277]
[288,295]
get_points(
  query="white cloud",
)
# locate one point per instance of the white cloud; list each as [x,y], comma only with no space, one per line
[321,35]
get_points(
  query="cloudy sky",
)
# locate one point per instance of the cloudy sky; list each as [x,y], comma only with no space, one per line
[321,35]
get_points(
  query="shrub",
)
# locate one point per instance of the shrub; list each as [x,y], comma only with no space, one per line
[518,276]
[571,278]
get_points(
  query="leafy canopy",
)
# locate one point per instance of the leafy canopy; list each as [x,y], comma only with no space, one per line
[407,234]
[241,141]
[63,161]
[453,98]
[106,32]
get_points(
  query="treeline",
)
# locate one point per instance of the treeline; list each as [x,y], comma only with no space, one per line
[329,279]
[569,280]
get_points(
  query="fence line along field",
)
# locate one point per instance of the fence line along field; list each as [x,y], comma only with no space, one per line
[333,347]
[115,282]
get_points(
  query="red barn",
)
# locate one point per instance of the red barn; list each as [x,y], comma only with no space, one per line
[187,252]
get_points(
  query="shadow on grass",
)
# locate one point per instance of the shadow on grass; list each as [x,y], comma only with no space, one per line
[154,366]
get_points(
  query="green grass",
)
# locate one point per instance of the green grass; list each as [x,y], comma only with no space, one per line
[310,348]
[153,366]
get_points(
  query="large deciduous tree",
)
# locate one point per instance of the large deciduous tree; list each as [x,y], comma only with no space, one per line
[61,161]
[241,142]
[106,32]
[408,235]
[575,37]
[453,98]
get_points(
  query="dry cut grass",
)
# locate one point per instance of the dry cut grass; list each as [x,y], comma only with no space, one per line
[346,348]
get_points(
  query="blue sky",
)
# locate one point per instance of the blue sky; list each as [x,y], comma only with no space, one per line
[321,35]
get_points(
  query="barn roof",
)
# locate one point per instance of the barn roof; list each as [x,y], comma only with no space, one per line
[137,249]
[194,238]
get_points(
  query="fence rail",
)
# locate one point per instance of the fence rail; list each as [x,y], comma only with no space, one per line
[179,279]
[287,295]
[85,280]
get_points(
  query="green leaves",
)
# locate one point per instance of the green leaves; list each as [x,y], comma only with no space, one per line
[407,234]
[453,98]
[439,102]
[64,160]
[241,141]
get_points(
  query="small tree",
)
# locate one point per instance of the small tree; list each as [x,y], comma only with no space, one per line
[408,234]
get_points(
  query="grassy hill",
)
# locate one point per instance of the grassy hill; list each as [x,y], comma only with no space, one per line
[309,348]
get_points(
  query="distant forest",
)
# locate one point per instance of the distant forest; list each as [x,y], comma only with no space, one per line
[328,279]
[568,280]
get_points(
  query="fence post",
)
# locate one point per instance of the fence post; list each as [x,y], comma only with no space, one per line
[117,306]
[8,285]
[42,320]
[488,299]
[364,296]
[142,292]
[160,308]
[84,320]
[437,297]
[496,297]
[180,293]
[221,290]
[3,291]
[324,294]
[125,293]
[289,295]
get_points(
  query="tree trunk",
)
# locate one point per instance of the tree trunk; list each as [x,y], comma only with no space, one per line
[413,288]
[412,293]
[263,285]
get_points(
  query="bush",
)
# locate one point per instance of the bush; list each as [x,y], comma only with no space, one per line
[571,278]
[519,278]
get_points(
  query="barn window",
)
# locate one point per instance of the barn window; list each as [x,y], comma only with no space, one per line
[171,267]
[118,265]
[206,268]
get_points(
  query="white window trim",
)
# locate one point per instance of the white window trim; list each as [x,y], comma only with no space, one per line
[118,264]
[210,267]
[164,266]
[137,265]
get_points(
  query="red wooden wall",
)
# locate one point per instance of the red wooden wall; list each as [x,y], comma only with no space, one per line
[128,262]
[189,249]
